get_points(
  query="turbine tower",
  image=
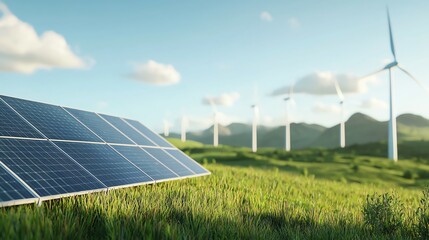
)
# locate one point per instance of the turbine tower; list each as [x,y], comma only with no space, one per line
[288,100]
[215,129]
[184,124]
[342,124]
[255,128]
[166,128]
[392,136]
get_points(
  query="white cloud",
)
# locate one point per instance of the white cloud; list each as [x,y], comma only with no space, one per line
[22,50]
[156,73]
[322,83]
[226,99]
[374,103]
[294,23]
[266,16]
[101,105]
[325,108]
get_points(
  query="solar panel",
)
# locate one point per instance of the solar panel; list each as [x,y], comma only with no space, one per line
[187,161]
[160,141]
[48,152]
[104,163]
[146,162]
[52,121]
[128,130]
[11,124]
[169,161]
[10,188]
[99,126]
[44,168]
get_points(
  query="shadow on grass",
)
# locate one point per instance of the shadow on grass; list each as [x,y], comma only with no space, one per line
[182,223]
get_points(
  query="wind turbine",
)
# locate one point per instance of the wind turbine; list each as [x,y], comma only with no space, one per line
[215,129]
[184,124]
[392,136]
[342,124]
[255,108]
[215,124]
[288,100]
[166,128]
[255,128]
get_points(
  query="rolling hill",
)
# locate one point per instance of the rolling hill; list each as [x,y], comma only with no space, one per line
[360,129]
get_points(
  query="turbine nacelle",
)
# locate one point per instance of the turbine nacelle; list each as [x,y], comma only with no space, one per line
[391,65]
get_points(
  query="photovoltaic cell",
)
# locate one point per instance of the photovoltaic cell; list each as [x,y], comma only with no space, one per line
[187,161]
[10,188]
[12,125]
[145,162]
[128,130]
[169,161]
[99,126]
[160,141]
[44,168]
[52,121]
[104,163]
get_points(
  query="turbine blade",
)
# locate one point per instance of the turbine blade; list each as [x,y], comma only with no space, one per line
[420,83]
[372,74]
[392,45]
[338,89]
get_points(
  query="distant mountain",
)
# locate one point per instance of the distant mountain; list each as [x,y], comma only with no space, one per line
[360,129]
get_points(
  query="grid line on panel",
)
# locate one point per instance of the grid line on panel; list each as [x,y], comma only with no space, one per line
[127,130]
[52,121]
[146,162]
[154,137]
[104,163]
[169,161]
[11,189]
[12,124]
[44,168]
[187,161]
[111,147]
[117,129]
[98,126]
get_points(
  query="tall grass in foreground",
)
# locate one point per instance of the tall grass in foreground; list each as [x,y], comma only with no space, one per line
[232,203]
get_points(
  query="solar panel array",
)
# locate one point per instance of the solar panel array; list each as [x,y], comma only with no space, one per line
[49,151]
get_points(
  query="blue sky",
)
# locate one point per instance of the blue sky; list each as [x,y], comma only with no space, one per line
[223,47]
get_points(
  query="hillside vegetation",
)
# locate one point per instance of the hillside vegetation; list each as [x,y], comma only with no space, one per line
[269,195]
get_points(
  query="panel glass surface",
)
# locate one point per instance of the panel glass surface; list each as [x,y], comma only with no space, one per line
[44,168]
[148,133]
[128,130]
[12,125]
[99,126]
[52,120]
[187,161]
[169,161]
[104,163]
[145,162]
[10,188]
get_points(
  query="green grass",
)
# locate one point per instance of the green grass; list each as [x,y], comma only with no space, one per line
[251,196]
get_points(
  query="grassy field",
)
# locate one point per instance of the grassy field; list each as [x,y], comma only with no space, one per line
[315,194]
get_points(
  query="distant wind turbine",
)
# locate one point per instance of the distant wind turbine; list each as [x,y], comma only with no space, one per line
[342,124]
[288,100]
[392,137]
[255,108]
[255,128]
[215,124]
[166,128]
[184,124]
[215,129]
